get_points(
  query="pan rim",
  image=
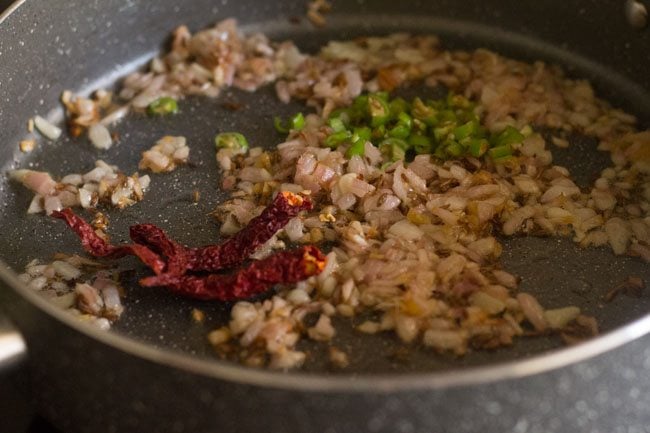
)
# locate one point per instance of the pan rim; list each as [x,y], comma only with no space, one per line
[317,382]
[12,7]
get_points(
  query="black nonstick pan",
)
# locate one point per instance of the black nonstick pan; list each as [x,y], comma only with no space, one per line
[155,371]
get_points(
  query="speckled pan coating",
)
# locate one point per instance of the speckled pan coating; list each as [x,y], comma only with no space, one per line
[90,382]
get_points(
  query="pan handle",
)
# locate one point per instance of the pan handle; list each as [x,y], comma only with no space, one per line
[636,13]
[13,350]
[16,406]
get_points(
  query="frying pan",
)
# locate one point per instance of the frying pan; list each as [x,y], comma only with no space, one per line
[155,372]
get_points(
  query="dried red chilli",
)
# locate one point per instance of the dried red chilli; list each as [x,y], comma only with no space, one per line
[280,268]
[235,250]
[98,247]
[259,230]
[157,240]
[151,242]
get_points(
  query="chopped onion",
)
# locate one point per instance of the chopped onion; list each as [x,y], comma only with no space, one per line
[66,270]
[445,340]
[242,315]
[219,336]
[38,181]
[88,299]
[99,136]
[115,116]
[487,303]
[73,179]
[46,128]
[405,230]
[322,330]
[144,181]
[560,317]
[298,297]
[51,204]
[533,311]
[36,205]
[112,302]
[64,301]
[95,175]
[294,228]
[85,198]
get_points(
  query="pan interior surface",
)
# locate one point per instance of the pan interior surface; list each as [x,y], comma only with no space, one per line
[555,270]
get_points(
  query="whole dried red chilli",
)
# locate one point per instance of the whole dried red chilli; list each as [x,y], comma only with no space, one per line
[151,241]
[235,250]
[281,268]
[259,230]
[157,240]
[98,247]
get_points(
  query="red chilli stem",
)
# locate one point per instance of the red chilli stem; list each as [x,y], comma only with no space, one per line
[98,247]
[280,268]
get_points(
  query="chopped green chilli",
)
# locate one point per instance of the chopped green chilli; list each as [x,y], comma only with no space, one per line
[297,122]
[337,138]
[231,140]
[500,151]
[162,106]
[394,148]
[357,148]
[421,143]
[478,147]
[509,135]
[336,123]
[378,109]
[445,128]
